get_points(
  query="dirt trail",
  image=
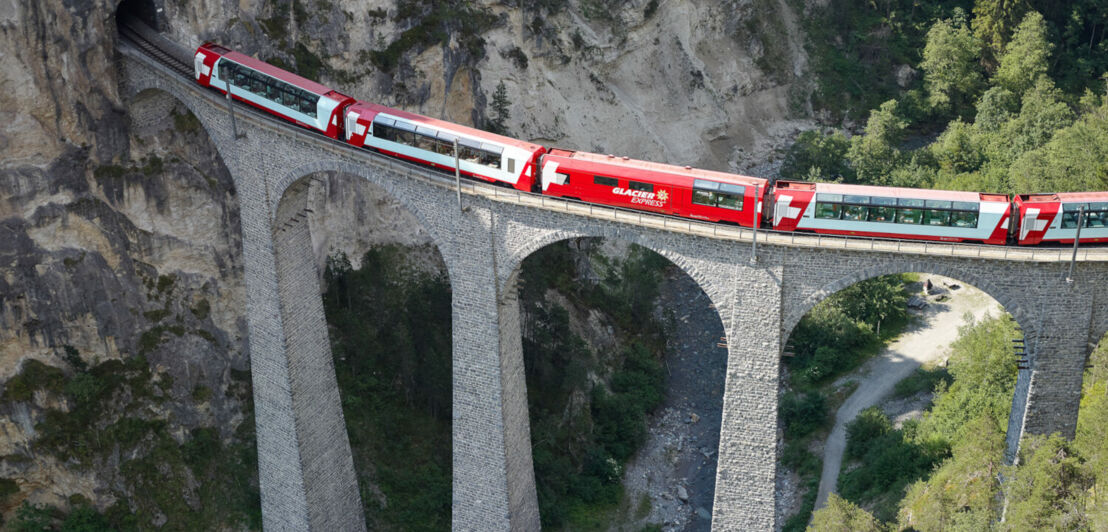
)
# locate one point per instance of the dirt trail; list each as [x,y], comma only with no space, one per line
[928,339]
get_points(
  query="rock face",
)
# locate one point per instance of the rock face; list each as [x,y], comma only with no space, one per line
[119,240]
[701,82]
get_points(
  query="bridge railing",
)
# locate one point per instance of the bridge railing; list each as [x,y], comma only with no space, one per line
[621,215]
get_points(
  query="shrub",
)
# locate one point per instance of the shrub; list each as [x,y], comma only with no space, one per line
[802,413]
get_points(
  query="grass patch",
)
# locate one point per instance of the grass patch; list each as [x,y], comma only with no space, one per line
[201,393]
[922,380]
[156,315]
[435,23]
[8,487]
[165,283]
[109,415]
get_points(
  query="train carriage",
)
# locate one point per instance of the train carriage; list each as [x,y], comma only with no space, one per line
[891,212]
[425,140]
[272,89]
[656,187]
[1054,217]
[831,208]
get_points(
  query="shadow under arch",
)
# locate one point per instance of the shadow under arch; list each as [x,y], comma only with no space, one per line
[692,406]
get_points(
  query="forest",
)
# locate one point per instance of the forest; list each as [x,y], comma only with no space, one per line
[1001,96]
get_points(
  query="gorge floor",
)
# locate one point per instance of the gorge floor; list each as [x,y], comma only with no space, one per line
[671,481]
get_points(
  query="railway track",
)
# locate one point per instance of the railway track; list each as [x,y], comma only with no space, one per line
[148,47]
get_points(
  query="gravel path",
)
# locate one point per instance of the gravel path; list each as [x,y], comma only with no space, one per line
[928,339]
[676,469]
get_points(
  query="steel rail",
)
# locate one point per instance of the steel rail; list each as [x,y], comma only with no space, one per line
[181,73]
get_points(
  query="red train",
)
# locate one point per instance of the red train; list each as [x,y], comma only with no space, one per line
[829,208]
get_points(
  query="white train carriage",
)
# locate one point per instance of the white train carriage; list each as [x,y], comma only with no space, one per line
[891,212]
[272,89]
[425,140]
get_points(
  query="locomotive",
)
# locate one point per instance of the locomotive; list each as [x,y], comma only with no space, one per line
[828,208]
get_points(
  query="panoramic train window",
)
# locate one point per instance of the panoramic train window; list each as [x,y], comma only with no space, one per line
[644,187]
[829,211]
[909,216]
[910,211]
[856,213]
[267,87]
[963,219]
[439,142]
[1070,211]
[605,181]
[704,197]
[1096,214]
[731,196]
[721,195]
[883,209]
[934,217]
[827,206]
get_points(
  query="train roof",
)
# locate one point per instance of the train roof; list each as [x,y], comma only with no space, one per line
[659,172]
[1065,197]
[893,192]
[283,75]
[443,125]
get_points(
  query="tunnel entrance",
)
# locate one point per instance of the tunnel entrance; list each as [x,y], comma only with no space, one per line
[146,11]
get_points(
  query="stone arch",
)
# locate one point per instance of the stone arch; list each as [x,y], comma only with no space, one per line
[378,178]
[519,253]
[709,287]
[1011,305]
[1014,307]
[140,112]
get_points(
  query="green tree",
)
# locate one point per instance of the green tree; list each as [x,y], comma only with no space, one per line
[874,155]
[995,107]
[1047,491]
[1026,58]
[1075,159]
[501,108]
[961,493]
[951,67]
[875,300]
[984,369]
[818,155]
[1092,433]
[840,515]
[994,21]
[1043,113]
[959,148]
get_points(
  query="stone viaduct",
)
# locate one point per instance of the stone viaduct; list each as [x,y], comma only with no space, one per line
[304,459]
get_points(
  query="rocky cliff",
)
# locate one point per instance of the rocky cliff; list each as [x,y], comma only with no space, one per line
[121,301]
